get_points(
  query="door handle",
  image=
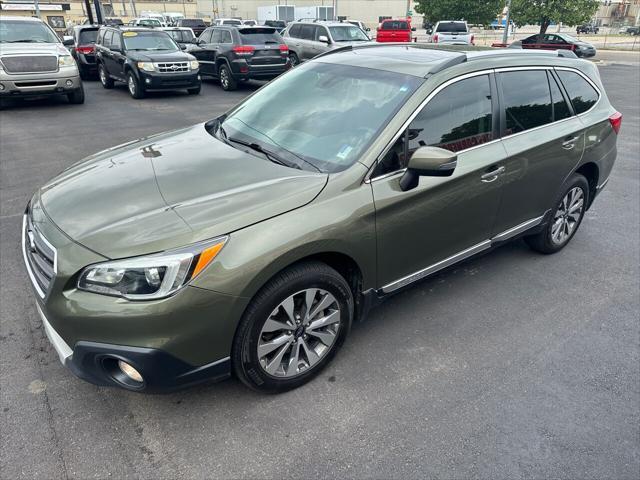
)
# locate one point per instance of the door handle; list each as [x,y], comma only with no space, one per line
[569,143]
[492,175]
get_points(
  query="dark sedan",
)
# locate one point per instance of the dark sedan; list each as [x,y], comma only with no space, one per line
[557,41]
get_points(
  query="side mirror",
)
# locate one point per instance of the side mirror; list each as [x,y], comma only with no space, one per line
[67,41]
[367,29]
[324,39]
[428,161]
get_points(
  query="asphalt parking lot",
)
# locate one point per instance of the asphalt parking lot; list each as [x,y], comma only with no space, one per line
[511,365]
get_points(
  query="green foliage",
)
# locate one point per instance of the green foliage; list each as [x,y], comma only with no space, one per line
[480,12]
[543,12]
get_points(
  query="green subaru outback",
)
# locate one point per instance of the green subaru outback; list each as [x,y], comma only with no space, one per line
[248,244]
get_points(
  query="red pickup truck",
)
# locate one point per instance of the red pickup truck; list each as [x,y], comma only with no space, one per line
[394,31]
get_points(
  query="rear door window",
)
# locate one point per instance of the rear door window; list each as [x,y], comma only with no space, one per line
[226,37]
[107,39]
[295,31]
[526,100]
[216,36]
[583,96]
[308,32]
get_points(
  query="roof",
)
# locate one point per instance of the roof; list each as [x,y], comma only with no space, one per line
[423,60]
[16,17]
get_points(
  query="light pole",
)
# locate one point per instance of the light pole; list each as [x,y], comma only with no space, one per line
[35,2]
[507,21]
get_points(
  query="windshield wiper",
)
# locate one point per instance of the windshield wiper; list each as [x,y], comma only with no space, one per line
[258,148]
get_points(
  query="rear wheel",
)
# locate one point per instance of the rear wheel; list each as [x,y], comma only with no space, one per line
[566,218]
[292,328]
[105,80]
[293,59]
[226,78]
[135,89]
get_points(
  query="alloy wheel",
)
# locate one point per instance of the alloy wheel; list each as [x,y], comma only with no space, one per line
[103,76]
[224,77]
[300,331]
[132,85]
[567,216]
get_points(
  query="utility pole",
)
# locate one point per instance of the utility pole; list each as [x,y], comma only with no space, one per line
[505,35]
[35,3]
[87,5]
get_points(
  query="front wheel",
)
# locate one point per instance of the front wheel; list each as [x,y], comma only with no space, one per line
[566,218]
[292,328]
[77,96]
[135,89]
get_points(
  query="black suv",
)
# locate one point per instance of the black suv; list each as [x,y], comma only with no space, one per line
[84,49]
[144,59]
[234,54]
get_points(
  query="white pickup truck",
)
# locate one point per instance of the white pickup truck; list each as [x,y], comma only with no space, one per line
[451,32]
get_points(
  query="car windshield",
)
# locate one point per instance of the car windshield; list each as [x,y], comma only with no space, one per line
[348,33]
[88,36]
[452,27]
[328,114]
[148,41]
[28,32]
[183,36]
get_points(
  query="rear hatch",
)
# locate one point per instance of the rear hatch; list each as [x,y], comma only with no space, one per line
[452,32]
[87,44]
[394,31]
[262,46]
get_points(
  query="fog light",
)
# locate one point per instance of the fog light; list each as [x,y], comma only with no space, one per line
[129,371]
[147,80]
[68,83]
[1,87]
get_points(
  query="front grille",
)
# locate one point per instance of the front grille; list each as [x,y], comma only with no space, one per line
[172,67]
[39,256]
[42,83]
[30,63]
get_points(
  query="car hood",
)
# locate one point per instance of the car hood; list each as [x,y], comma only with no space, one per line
[33,48]
[148,56]
[171,190]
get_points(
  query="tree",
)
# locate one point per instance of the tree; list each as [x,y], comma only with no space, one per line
[477,12]
[543,12]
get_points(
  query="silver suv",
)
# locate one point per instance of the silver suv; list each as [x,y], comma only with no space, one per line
[308,39]
[34,62]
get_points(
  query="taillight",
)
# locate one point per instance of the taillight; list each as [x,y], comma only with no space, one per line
[244,50]
[284,50]
[473,40]
[616,121]
[86,49]
[435,38]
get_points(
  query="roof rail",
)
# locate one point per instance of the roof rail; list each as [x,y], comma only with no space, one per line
[518,52]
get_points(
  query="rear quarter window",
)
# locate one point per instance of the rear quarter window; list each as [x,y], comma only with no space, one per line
[582,95]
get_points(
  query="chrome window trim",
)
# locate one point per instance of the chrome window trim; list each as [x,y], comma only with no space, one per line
[457,257]
[369,179]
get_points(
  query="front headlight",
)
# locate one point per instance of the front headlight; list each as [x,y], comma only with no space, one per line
[152,276]
[146,66]
[194,64]
[66,61]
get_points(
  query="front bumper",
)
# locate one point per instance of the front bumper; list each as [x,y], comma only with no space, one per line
[38,86]
[169,81]
[97,363]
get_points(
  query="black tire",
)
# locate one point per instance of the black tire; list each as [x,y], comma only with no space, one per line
[133,85]
[103,75]
[543,241]
[194,91]
[227,82]
[293,59]
[245,361]
[77,96]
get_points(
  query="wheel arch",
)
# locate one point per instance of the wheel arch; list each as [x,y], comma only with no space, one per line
[592,173]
